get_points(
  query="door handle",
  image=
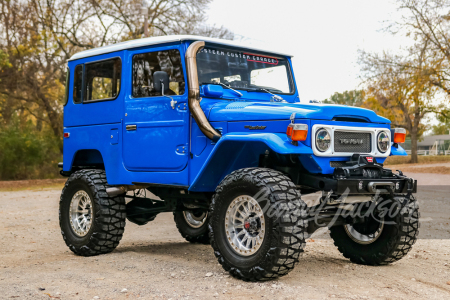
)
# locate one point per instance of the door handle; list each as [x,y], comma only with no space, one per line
[131,127]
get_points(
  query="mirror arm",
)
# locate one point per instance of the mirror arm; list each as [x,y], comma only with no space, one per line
[172,102]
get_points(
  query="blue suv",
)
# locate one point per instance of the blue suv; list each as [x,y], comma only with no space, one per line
[216,133]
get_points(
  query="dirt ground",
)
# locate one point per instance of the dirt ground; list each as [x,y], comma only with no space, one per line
[423,159]
[438,168]
[15,185]
[154,262]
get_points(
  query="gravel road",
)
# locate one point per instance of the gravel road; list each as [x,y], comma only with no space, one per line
[154,262]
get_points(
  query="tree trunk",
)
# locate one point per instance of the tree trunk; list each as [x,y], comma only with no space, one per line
[8,110]
[414,158]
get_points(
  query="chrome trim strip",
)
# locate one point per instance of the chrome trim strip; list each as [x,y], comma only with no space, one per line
[330,152]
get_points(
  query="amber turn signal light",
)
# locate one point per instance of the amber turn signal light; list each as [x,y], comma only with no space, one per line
[289,130]
[398,135]
[297,132]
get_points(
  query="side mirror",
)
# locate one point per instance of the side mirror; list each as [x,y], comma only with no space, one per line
[213,91]
[161,81]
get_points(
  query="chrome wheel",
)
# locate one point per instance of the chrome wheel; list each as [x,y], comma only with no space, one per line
[81,212]
[195,220]
[363,233]
[245,225]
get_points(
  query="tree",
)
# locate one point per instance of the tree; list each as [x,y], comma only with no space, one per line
[350,98]
[398,88]
[406,87]
[428,23]
[37,37]
[442,128]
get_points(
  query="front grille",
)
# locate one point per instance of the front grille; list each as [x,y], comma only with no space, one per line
[353,142]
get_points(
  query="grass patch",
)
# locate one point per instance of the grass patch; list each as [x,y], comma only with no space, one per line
[400,160]
[18,185]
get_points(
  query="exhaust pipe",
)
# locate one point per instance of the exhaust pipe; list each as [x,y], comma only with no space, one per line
[122,189]
[194,92]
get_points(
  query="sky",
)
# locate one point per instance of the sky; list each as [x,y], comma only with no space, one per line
[324,36]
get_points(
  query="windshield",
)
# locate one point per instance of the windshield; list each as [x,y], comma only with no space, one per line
[243,70]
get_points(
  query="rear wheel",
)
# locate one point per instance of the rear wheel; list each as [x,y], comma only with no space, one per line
[258,224]
[91,222]
[382,238]
[192,225]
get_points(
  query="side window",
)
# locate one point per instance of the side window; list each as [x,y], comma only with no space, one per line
[77,83]
[102,80]
[145,64]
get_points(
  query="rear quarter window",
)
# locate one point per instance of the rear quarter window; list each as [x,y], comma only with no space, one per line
[77,83]
[66,94]
[102,80]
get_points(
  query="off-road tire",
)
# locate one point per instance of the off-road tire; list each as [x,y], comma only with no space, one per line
[285,232]
[109,214]
[394,242]
[193,235]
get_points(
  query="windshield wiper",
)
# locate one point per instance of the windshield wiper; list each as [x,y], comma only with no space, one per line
[274,98]
[223,84]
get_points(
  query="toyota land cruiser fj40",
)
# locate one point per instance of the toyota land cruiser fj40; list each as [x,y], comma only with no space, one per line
[216,134]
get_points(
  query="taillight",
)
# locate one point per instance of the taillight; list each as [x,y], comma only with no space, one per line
[398,135]
[66,134]
[297,132]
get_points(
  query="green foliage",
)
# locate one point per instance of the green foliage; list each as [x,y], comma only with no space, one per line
[26,153]
[4,60]
[442,128]
[350,98]
[444,123]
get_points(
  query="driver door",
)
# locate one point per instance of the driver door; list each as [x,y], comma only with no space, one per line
[156,133]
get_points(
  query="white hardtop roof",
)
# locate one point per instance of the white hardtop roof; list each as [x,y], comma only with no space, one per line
[162,40]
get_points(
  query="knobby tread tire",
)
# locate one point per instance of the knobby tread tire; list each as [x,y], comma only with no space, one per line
[288,233]
[202,237]
[402,236]
[108,220]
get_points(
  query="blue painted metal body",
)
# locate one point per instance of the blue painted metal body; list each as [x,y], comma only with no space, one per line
[168,147]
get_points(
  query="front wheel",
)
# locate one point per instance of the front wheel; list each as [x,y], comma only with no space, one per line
[192,225]
[384,237]
[257,224]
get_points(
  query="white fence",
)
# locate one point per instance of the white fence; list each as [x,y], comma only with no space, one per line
[430,152]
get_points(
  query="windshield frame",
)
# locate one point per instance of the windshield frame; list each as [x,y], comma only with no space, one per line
[289,71]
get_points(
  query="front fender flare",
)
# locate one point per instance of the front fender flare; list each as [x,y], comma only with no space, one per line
[241,150]
[399,151]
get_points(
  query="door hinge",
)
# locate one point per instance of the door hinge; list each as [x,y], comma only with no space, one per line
[182,149]
[182,106]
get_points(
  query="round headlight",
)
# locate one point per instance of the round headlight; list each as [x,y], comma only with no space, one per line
[323,140]
[383,142]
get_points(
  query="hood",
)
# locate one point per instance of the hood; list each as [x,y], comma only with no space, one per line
[259,111]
